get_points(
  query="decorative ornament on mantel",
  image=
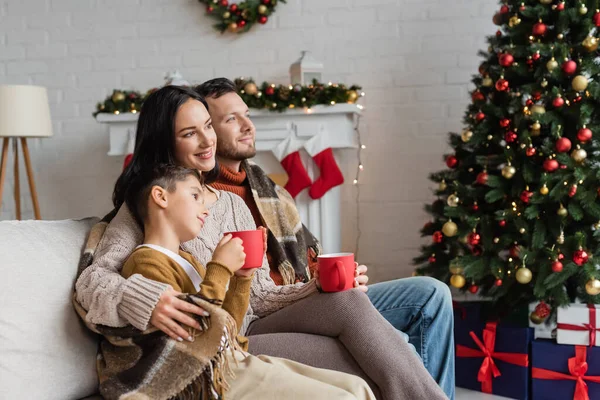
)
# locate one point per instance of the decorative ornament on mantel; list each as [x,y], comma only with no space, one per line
[239,17]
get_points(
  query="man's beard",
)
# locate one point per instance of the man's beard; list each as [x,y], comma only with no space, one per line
[231,153]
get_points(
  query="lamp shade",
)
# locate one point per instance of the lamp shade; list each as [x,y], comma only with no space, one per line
[24,111]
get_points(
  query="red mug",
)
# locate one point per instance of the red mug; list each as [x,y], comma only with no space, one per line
[254,247]
[336,271]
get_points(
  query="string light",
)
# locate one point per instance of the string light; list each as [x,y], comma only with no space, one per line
[359,169]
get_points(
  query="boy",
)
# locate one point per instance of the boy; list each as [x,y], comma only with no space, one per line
[168,202]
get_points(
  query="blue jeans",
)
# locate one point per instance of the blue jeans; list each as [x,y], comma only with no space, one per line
[421,307]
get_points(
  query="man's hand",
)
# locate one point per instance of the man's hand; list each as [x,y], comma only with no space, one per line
[361,278]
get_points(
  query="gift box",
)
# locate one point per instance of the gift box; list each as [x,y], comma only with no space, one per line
[564,372]
[578,324]
[545,330]
[493,358]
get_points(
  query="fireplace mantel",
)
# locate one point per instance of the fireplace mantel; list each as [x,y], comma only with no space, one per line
[337,122]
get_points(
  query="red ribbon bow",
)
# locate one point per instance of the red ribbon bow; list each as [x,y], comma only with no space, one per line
[488,367]
[590,327]
[577,368]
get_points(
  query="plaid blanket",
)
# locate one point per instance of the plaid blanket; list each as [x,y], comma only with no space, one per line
[289,242]
[150,365]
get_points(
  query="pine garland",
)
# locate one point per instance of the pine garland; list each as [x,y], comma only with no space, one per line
[239,17]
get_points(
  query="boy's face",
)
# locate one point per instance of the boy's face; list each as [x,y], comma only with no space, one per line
[186,209]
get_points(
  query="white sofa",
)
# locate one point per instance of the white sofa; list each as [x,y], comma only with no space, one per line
[45,350]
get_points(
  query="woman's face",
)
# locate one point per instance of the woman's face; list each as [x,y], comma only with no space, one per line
[195,139]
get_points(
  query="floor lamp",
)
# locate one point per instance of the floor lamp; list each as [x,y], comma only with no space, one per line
[24,113]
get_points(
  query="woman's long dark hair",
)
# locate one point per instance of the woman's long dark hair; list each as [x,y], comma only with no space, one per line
[155,136]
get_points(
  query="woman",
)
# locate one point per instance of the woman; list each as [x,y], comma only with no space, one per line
[174,127]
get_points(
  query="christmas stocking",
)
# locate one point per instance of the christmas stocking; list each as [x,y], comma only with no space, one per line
[288,155]
[330,175]
[127,160]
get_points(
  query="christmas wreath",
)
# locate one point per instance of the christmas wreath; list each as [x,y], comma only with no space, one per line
[264,96]
[239,17]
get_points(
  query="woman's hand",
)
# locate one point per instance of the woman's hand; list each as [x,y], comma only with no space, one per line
[169,314]
[361,278]
[265,235]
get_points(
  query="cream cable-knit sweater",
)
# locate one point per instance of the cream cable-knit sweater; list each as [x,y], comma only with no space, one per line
[115,301]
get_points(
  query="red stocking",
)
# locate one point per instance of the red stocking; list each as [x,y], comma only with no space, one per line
[127,160]
[289,157]
[330,177]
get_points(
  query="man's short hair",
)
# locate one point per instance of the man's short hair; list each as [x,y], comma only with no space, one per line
[164,175]
[216,88]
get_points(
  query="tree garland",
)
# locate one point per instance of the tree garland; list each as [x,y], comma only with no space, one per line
[240,17]
[266,96]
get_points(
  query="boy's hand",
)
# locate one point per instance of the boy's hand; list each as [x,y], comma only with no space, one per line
[230,253]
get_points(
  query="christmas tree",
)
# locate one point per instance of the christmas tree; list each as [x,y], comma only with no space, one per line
[517,212]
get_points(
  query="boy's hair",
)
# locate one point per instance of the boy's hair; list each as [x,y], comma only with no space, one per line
[215,88]
[164,175]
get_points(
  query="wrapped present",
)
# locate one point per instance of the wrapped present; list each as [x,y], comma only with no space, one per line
[493,359]
[578,324]
[545,329]
[564,372]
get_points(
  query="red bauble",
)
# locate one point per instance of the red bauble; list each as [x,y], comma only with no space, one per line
[473,289]
[451,162]
[501,85]
[561,256]
[514,251]
[506,60]
[270,91]
[504,122]
[563,166]
[210,9]
[502,223]
[557,266]
[498,33]
[266,1]
[530,151]
[569,67]
[224,3]
[432,259]
[584,134]
[483,68]
[480,116]
[563,145]
[558,102]
[438,237]
[242,23]
[542,310]
[560,6]
[510,137]
[536,56]
[526,196]
[504,9]
[539,29]
[529,62]
[482,178]
[577,99]
[233,8]
[477,96]
[573,191]
[550,165]
[474,238]
[580,257]
[536,96]
[596,18]
[477,250]
[475,207]
[529,102]
[498,282]
[262,19]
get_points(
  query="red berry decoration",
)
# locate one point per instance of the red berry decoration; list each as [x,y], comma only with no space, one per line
[539,29]
[501,85]
[498,282]
[451,161]
[474,238]
[584,134]
[502,223]
[432,259]
[550,165]
[480,116]
[569,67]
[510,137]
[210,9]
[573,191]
[542,310]
[563,145]
[504,9]
[526,196]
[473,289]
[477,96]
[262,19]
[557,266]
[482,178]
[224,3]
[580,257]
[514,251]
[241,23]
[504,122]
[596,18]
[506,60]
[270,91]
[530,152]
[558,102]
[438,237]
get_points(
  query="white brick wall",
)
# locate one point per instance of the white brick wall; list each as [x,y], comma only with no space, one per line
[413,57]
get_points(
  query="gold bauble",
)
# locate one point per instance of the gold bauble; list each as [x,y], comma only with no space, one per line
[522,231]
[562,212]
[352,96]
[232,27]
[544,190]
[514,21]
[590,43]
[524,275]
[561,238]
[552,64]
[508,171]
[592,287]
[450,229]
[118,97]
[246,14]
[560,36]
[442,186]
[466,136]
[579,155]
[544,83]
[487,82]
[496,240]
[251,88]
[262,9]
[453,200]
[583,10]
[458,281]
[579,83]
[226,15]
[536,126]
[538,109]
[536,319]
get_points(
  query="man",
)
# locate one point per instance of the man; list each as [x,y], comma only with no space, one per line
[420,307]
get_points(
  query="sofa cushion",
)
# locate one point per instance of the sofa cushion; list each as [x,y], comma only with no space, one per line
[45,350]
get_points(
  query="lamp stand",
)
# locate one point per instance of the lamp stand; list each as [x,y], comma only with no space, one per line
[34,198]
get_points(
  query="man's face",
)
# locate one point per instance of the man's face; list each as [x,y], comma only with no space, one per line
[235,132]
